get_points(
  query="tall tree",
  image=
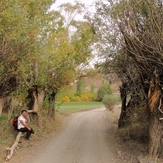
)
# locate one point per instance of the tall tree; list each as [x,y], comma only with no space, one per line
[136,26]
[65,52]
[20,25]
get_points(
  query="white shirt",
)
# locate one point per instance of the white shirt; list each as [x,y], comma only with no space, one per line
[21,117]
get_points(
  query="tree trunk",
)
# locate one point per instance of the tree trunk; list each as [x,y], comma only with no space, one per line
[36,107]
[155,124]
[1,106]
[51,111]
[155,136]
[121,121]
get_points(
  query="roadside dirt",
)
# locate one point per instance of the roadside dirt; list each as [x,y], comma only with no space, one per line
[86,137]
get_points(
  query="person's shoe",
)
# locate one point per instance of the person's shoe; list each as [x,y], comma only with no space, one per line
[32,131]
[27,139]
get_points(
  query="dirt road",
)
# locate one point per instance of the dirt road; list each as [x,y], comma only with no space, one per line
[86,138]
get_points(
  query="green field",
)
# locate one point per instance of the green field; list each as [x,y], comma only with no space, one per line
[71,107]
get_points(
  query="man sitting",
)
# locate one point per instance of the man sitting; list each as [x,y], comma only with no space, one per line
[22,124]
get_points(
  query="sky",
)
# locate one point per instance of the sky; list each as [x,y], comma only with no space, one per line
[86,2]
[59,2]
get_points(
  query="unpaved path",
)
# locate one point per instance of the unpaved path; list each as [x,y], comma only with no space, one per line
[86,138]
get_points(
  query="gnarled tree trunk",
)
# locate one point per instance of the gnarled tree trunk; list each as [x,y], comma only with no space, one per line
[155,124]
[37,97]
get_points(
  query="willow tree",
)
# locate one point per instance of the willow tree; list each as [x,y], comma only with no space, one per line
[61,52]
[9,37]
[136,26]
[15,44]
[20,27]
[72,51]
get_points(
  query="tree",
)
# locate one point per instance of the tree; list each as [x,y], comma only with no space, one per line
[12,29]
[65,52]
[137,29]
[20,21]
[80,88]
[70,12]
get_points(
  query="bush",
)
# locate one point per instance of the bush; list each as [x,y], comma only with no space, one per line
[65,93]
[77,99]
[84,98]
[88,97]
[103,90]
[65,99]
[109,100]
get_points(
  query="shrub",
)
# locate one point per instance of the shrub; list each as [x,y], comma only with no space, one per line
[103,90]
[88,97]
[65,99]
[84,98]
[77,99]
[109,100]
[65,93]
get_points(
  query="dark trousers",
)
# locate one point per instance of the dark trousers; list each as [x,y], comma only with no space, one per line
[28,134]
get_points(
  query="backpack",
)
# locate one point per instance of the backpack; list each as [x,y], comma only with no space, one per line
[15,123]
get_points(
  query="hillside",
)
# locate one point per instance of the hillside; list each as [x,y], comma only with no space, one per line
[98,79]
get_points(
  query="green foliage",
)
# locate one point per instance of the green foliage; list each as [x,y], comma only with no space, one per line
[82,40]
[103,90]
[20,25]
[37,46]
[65,92]
[109,100]
[47,105]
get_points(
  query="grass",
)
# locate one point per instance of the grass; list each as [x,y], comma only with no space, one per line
[67,108]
